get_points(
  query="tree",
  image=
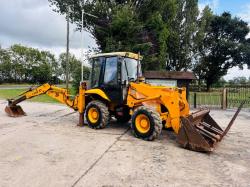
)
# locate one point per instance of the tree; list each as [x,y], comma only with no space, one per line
[238,81]
[24,64]
[137,26]
[73,64]
[224,46]
[55,68]
[199,40]
[220,83]
[181,46]
[5,66]
[76,75]
[74,69]
[32,65]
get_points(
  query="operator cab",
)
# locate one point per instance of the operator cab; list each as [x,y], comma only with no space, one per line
[112,72]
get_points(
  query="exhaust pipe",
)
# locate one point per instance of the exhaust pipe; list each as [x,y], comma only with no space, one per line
[200,132]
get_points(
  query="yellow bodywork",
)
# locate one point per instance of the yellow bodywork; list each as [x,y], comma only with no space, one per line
[174,99]
[98,92]
[156,97]
[60,94]
[123,54]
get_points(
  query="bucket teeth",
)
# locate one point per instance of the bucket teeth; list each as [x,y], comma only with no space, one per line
[207,133]
[212,129]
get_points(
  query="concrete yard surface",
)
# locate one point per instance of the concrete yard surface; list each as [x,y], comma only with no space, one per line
[46,148]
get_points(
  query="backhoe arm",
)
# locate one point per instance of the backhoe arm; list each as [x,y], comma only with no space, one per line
[60,94]
[29,94]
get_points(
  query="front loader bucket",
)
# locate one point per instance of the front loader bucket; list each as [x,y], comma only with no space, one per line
[199,131]
[14,111]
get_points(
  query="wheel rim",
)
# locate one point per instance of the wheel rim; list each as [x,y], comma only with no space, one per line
[142,123]
[93,115]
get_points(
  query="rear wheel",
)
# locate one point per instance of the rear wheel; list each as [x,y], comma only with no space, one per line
[97,115]
[146,123]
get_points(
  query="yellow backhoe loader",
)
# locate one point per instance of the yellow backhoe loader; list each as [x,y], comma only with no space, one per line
[117,88]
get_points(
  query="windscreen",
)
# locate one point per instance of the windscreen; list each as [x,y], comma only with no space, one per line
[129,69]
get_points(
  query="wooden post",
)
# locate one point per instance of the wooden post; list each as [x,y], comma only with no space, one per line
[195,97]
[224,99]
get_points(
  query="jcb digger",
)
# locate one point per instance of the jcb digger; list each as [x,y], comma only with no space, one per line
[117,88]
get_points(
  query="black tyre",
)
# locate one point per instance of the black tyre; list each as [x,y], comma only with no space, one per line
[97,115]
[146,123]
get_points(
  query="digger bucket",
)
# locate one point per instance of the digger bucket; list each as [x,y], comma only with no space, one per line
[14,111]
[199,131]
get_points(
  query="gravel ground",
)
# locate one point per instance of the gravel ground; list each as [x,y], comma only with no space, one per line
[46,148]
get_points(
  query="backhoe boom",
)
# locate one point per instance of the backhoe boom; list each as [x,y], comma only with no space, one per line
[60,94]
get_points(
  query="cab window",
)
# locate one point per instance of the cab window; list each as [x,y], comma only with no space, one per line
[129,69]
[110,76]
[96,71]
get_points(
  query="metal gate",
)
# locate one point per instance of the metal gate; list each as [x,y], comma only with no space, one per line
[235,95]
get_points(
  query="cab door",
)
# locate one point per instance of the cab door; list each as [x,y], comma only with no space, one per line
[111,80]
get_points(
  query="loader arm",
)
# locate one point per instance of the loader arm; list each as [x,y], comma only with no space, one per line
[197,131]
[60,94]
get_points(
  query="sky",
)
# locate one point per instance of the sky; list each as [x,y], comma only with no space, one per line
[239,8]
[33,23]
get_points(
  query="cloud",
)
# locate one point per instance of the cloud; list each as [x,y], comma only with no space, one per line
[213,4]
[245,13]
[33,23]
[236,72]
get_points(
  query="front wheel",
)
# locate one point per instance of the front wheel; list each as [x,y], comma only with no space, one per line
[97,115]
[146,123]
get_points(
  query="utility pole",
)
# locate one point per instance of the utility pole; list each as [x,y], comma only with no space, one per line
[82,37]
[67,52]
[82,56]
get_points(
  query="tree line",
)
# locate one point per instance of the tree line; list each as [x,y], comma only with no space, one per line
[236,81]
[170,34]
[21,64]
